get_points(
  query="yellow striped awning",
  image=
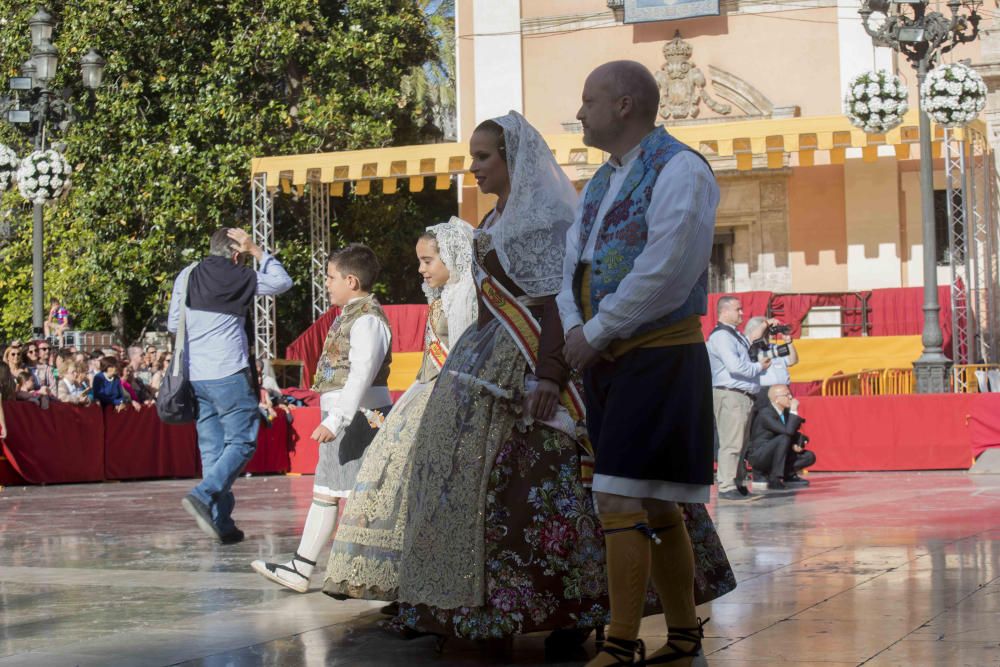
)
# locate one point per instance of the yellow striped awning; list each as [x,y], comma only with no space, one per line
[768,140]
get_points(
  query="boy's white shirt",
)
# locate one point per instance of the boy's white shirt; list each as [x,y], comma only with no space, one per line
[371,340]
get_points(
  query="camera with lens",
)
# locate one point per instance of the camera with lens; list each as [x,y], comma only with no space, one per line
[776,329]
[769,351]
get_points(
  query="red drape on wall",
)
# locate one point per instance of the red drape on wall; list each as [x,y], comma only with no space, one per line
[754,303]
[62,444]
[914,432]
[899,311]
[407,323]
[138,445]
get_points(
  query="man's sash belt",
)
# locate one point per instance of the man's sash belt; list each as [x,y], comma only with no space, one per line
[526,332]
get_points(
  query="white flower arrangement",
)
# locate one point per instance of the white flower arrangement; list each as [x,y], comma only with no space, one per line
[43,176]
[876,101]
[953,95]
[8,167]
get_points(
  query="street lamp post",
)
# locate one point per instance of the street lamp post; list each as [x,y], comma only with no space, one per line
[921,36]
[32,105]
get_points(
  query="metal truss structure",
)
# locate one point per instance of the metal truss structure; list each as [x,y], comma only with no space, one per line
[265,340]
[319,242]
[970,177]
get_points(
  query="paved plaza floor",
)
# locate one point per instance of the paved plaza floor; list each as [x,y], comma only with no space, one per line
[875,569]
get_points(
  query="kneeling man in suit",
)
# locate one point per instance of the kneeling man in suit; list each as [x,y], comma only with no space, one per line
[777,452]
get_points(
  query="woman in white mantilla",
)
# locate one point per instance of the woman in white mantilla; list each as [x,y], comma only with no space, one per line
[502,538]
[364,559]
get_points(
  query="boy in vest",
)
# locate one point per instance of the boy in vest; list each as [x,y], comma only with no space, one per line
[351,377]
[634,287]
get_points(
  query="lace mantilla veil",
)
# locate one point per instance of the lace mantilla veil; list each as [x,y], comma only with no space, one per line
[458,296]
[530,234]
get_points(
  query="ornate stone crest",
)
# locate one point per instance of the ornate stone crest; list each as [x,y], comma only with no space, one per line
[682,85]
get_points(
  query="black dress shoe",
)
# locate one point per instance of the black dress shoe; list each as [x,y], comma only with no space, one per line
[235,536]
[796,482]
[776,484]
[732,495]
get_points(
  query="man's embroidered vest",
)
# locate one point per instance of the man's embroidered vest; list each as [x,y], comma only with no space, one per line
[335,364]
[623,232]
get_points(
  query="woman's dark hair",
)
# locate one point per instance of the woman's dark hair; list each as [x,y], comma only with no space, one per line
[357,260]
[496,130]
[25,361]
[110,362]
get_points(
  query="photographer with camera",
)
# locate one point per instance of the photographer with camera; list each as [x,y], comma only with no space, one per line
[783,355]
[735,384]
[777,449]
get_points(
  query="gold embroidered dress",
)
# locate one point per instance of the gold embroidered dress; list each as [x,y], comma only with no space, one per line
[364,558]
[502,537]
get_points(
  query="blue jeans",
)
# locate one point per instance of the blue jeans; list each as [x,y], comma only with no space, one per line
[227,437]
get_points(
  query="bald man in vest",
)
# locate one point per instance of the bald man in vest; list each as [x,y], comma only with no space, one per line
[635,283]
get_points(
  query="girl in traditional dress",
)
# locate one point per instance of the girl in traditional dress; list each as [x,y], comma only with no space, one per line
[501,537]
[364,559]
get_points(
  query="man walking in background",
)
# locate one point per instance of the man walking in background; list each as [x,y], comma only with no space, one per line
[220,294]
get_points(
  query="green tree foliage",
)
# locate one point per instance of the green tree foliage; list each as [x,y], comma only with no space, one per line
[193,90]
[432,86]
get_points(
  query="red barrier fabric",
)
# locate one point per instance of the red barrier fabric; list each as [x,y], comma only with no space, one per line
[137,445]
[899,311]
[62,444]
[800,389]
[407,322]
[914,432]
[272,447]
[984,422]
[303,451]
[754,303]
[8,475]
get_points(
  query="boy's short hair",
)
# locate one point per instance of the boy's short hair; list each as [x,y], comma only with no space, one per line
[110,362]
[357,260]
[24,376]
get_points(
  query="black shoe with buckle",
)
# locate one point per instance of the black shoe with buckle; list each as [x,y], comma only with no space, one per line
[624,650]
[691,636]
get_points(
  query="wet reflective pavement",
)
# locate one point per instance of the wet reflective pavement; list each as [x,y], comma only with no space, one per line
[875,569]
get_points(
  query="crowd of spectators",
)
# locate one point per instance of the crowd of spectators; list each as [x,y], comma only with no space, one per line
[114,377]
[120,378]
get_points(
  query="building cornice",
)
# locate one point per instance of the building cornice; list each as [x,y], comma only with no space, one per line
[561,23]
